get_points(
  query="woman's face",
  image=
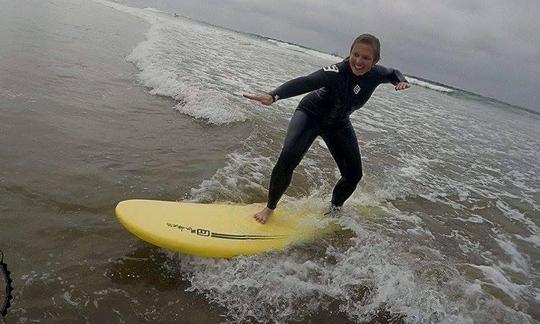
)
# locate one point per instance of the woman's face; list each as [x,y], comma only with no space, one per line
[361,58]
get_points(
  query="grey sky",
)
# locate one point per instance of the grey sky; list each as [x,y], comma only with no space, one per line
[491,47]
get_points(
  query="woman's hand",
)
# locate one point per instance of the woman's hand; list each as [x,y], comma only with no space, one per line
[402,86]
[265,98]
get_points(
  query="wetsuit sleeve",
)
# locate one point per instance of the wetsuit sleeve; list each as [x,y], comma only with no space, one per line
[390,75]
[305,84]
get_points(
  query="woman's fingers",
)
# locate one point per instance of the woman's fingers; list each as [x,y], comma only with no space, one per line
[265,99]
[252,97]
[402,85]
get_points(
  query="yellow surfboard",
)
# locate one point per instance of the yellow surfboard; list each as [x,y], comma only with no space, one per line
[217,230]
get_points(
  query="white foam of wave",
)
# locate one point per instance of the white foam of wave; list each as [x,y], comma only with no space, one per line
[373,191]
[245,177]
[496,276]
[321,143]
[328,57]
[154,10]
[162,60]
[324,56]
[215,110]
[519,262]
[522,181]
[403,216]
[466,245]
[420,232]
[516,215]
[534,239]
[369,122]
[239,180]
[193,98]
[369,273]
[428,85]
[361,274]
[476,219]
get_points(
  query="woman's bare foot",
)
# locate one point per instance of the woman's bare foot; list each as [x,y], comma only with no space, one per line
[263,215]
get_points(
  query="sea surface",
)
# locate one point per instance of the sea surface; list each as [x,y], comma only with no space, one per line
[101,102]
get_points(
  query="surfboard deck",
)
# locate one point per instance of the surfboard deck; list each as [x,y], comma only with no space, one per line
[217,230]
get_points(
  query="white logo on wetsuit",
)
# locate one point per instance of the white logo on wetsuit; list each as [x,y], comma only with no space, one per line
[331,68]
[357,89]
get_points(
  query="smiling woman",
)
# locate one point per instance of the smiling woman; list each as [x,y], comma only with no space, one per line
[365,52]
[337,91]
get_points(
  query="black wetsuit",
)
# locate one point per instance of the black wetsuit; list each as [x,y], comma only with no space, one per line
[336,93]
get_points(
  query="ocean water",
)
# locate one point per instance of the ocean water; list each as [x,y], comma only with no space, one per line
[102,102]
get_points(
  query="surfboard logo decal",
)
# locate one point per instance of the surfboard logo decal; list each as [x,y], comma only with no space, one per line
[203,232]
[208,233]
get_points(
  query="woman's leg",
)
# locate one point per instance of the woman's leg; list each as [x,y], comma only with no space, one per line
[343,146]
[302,131]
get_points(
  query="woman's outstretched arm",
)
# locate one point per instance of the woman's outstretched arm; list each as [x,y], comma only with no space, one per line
[395,77]
[298,86]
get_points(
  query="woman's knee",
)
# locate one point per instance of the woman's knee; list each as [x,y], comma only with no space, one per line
[355,175]
[289,160]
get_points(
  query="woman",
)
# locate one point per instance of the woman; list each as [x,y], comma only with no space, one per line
[337,91]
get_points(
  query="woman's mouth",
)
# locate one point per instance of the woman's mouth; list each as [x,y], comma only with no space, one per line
[358,67]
